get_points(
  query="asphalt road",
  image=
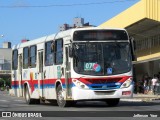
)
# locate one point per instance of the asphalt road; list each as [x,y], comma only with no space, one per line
[93,108]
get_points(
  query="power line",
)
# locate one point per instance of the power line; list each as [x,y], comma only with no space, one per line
[63,5]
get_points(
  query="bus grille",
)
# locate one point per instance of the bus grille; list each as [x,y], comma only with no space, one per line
[104,83]
[104,86]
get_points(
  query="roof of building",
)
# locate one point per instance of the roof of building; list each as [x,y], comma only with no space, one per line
[144,9]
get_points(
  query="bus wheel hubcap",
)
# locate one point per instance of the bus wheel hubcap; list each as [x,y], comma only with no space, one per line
[60,96]
[27,96]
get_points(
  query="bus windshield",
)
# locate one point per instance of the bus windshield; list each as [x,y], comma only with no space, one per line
[107,58]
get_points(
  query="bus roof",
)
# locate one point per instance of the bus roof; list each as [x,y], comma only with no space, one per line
[58,35]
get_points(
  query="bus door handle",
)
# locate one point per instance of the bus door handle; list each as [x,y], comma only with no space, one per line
[62,71]
[44,73]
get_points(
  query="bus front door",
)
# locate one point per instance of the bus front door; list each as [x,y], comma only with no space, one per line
[20,75]
[67,73]
[40,73]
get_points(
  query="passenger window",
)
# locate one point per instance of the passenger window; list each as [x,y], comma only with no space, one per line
[33,54]
[49,56]
[15,59]
[59,51]
[25,57]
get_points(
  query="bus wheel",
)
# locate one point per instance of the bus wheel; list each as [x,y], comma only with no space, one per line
[60,98]
[112,102]
[27,96]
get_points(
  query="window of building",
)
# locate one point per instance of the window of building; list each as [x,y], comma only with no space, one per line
[49,56]
[148,43]
[1,67]
[59,51]
[25,57]
[15,59]
[33,53]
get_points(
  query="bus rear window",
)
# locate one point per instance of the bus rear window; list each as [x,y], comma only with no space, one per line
[95,35]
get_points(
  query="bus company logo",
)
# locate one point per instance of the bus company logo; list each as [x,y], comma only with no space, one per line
[97,67]
[6,114]
[104,87]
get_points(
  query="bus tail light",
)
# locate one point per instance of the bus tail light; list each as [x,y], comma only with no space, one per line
[79,84]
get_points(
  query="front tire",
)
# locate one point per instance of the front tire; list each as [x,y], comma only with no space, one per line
[112,102]
[61,98]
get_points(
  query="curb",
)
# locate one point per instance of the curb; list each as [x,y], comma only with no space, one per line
[140,99]
[131,100]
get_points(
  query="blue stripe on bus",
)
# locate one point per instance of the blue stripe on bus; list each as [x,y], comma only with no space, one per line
[14,86]
[44,86]
[91,86]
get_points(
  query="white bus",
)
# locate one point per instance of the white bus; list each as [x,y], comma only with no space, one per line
[74,65]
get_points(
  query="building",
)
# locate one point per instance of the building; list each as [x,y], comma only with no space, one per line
[142,21]
[77,22]
[64,27]
[5,61]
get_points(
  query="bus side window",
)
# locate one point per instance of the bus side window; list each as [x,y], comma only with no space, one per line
[25,57]
[59,51]
[49,56]
[15,60]
[33,54]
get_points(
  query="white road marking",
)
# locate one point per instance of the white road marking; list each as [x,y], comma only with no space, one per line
[13,100]
[19,100]
[2,110]
[4,100]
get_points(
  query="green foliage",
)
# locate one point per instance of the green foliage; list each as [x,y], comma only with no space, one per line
[1,82]
[6,80]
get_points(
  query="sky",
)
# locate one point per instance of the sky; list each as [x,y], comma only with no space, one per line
[31,19]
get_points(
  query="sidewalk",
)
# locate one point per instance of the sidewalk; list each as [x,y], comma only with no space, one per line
[142,98]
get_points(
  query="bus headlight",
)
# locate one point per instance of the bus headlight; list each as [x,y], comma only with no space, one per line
[127,83]
[79,84]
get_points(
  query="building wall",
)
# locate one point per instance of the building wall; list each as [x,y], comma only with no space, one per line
[152,9]
[5,56]
[78,22]
[148,48]
[6,44]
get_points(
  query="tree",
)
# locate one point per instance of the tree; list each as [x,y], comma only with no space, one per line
[5,81]
[1,82]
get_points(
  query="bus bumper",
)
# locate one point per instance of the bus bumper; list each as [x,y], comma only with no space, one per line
[87,94]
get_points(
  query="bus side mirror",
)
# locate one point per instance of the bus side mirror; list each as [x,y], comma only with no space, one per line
[133,43]
[133,48]
[71,51]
